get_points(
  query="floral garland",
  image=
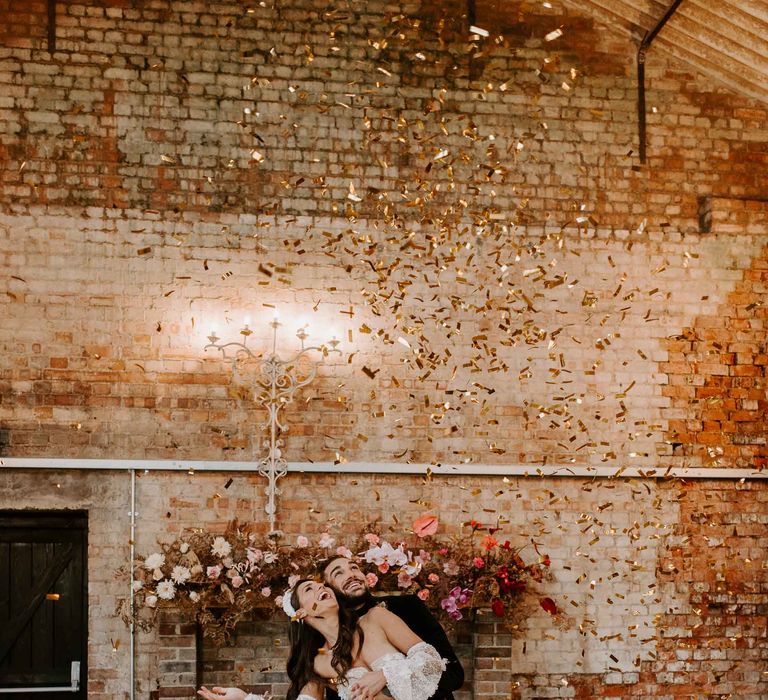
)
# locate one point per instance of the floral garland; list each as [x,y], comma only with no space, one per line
[220,579]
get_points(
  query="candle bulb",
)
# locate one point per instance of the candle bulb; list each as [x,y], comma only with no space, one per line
[247,321]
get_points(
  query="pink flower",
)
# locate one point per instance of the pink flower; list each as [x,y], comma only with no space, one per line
[451,568]
[237,581]
[293,579]
[255,555]
[326,540]
[478,563]
[442,551]
[424,557]
[370,538]
[404,580]
[371,579]
[425,525]
[267,591]
[383,568]
[343,551]
[213,572]
[302,541]
[433,578]
[423,593]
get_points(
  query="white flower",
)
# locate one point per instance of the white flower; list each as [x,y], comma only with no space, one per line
[412,567]
[270,557]
[254,555]
[166,590]
[137,586]
[194,596]
[221,548]
[326,540]
[180,574]
[184,548]
[267,591]
[151,601]
[386,554]
[154,561]
[302,541]
[293,579]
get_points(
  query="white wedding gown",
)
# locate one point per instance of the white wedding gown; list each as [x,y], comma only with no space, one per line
[409,677]
[412,676]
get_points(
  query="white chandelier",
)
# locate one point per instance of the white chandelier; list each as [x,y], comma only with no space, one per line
[276,383]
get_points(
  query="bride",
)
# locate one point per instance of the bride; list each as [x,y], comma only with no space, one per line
[330,645]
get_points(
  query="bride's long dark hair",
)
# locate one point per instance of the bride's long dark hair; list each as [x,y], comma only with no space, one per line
[306,642]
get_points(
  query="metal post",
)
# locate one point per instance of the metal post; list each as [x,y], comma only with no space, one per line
[51,26]
[641,55]
[132,629]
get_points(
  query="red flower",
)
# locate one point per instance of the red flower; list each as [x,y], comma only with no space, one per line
[549,605]
[489,543]
[498,608]
[478,563]
[475,525]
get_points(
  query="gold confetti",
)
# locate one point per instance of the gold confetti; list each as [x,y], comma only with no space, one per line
[554,35]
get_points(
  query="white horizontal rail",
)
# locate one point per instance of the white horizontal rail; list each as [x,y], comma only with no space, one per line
[524,470]
[50,689]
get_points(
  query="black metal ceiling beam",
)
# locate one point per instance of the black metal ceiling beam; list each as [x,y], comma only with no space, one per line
[645,44]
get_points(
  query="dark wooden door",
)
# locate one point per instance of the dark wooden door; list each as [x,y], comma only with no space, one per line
[43,602]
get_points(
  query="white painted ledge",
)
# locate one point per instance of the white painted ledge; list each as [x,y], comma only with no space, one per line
[516,470]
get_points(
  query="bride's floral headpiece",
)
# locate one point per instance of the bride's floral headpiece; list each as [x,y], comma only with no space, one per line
[288,608]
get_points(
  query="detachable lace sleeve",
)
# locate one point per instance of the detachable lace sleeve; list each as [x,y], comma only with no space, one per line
[416,676]
[251,696]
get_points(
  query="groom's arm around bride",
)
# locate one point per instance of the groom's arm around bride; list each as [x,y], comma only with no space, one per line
[348,580]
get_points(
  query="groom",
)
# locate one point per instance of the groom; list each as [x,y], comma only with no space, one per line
[346,578]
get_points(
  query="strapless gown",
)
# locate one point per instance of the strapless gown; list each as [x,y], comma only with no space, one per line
[412,676]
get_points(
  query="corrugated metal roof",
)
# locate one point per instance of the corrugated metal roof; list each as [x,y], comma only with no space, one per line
[724,39]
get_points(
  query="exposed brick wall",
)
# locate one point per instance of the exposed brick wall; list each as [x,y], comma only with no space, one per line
[24,24]
[716,368]
[134,216]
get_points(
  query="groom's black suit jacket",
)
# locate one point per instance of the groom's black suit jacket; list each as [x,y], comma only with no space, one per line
[411,610]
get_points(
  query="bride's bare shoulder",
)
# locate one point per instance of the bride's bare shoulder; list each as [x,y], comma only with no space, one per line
[312,691]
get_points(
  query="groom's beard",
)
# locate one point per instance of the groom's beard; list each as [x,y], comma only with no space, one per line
[355,602]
